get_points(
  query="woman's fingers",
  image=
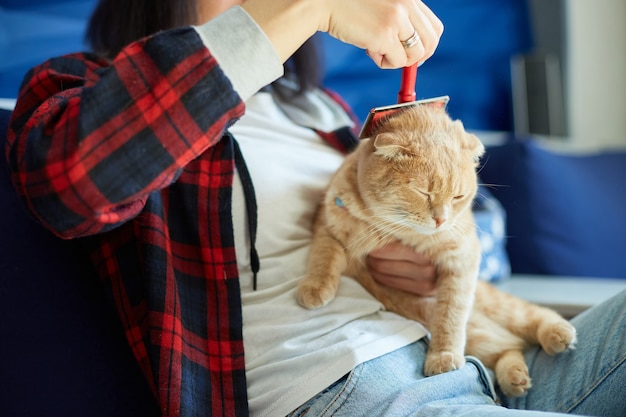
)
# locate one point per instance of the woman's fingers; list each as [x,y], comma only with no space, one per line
[399,266]
[422,288]
[430,29]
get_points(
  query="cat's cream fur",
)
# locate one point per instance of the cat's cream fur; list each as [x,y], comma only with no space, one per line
[414,181]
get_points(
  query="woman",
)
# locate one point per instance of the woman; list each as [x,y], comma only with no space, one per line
[180,175]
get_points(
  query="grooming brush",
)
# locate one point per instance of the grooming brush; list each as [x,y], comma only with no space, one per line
[406,98]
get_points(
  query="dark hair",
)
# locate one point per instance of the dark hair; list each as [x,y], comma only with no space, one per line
[116,23]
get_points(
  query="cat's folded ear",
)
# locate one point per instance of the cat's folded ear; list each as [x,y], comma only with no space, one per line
[387,145]
[474,145]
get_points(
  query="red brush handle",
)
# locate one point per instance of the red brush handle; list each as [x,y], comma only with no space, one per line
[407,84]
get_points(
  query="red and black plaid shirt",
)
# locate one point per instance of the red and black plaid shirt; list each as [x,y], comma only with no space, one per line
[131,157]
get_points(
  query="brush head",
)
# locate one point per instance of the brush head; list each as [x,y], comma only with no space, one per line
[378,114]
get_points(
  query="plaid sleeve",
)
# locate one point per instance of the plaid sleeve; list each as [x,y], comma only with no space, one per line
[89,140]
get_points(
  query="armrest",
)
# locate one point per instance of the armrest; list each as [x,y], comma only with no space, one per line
[567,295]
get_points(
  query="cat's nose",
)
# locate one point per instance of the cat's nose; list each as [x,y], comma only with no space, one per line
[439,220]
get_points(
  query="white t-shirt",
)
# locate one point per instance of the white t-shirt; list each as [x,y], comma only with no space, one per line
[293,353]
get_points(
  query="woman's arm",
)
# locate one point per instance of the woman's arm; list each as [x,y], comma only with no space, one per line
[89,140]
[378,26]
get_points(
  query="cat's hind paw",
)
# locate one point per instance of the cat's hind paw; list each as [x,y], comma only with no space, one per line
[514,380]
[442,361]
[557,337]
[314,295]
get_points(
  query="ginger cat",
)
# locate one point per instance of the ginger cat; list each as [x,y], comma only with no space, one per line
[414,181]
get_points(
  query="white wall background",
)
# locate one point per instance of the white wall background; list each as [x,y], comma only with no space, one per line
[596,71]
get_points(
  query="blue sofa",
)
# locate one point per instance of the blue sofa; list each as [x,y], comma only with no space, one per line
[63,352]
[565,208]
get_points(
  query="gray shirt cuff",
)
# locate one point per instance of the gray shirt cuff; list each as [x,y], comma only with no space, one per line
[242,50]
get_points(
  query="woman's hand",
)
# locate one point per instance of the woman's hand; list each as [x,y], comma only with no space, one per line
[401,267]
[381,26]
[378,26]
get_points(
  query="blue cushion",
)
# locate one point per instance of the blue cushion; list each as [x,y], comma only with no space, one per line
[63,351]
[565,211]
[490,219]
[32,32]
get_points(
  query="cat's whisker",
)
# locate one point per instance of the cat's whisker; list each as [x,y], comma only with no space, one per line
[490,185]
[369,240]
[389,226]
[363,242]
[453,233]
[465,226]
[484,196]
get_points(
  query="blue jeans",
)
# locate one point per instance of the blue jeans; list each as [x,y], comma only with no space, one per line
[590,380]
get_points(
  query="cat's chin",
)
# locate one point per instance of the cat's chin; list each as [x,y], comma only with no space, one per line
[429,229]
[425,230]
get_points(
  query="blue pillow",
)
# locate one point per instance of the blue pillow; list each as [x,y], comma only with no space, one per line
[490,219]
[565,211]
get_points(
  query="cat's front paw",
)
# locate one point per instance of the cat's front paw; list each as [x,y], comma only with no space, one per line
[557,337]
[514,380]
[314,295]
[438,362]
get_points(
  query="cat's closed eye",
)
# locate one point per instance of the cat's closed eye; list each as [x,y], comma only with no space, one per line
[424,193]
